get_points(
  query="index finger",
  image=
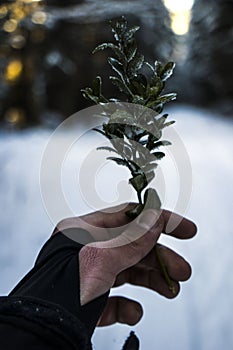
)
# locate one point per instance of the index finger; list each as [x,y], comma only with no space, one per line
[178,226]
[174,224]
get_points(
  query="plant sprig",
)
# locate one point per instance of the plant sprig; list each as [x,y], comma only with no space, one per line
[135,138]
[123,129]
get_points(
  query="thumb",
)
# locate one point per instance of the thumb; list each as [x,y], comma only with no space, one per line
[101,262]
[135,242]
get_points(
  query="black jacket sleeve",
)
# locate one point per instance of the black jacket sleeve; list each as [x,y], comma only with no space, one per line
[43,311]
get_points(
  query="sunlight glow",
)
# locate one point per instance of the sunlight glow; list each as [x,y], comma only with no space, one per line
[180,12]
[180,22]
[178,5]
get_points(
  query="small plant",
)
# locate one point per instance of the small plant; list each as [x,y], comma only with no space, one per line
[135,138]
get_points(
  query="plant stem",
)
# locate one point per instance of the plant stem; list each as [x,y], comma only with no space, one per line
[164,270]
[139,197]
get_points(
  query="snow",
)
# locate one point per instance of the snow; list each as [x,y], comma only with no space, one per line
[200,318]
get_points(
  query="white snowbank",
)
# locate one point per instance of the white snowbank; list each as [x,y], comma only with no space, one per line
[201,317]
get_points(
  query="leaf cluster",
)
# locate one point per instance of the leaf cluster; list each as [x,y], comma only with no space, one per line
[135,137]
[127,64]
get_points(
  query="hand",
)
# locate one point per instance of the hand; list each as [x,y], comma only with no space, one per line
[125,253]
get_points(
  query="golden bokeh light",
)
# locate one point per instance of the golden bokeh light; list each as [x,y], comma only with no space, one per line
[15,116]
[18,12]
[13,71]
[3,11]
[10,25]
[30,1]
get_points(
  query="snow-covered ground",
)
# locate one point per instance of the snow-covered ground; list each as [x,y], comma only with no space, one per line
[201,317]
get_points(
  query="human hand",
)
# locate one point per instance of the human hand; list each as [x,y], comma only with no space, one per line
[124,253]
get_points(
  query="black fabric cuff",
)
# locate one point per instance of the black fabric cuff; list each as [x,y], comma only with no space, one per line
[34,323]
[55,279]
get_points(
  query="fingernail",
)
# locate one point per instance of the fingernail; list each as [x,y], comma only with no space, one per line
[147,219]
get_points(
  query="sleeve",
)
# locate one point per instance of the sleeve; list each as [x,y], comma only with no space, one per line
[53,286]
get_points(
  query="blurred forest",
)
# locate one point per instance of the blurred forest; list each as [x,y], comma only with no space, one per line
[210,55]
[45,53]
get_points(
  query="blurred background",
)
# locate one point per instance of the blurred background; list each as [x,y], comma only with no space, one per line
[45,59]
[45,52]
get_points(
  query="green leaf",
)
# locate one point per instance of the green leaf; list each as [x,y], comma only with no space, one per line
[120,84]
[139,131]
[157,84]
[135,65]
[149,167]
[157,107]
[150,66]
[152,93]
[165,125]
[127,151]
[97,85]
[155,136]
[138,100]
[102,47]
[113,130]
[137,87]
[141,78]
[135,168]
[88,94]
[119,28]
[100,132]
[167,71]
[118,144]
[130,33]
[128,130]
[119,161]
[138,182]
[161,120]
[119,53]
[116,65]
[158,155]
[150,176]
[151,199]
[130,50]
[107,149]
[167,98]
[158,68]
[121,116]
[162,143]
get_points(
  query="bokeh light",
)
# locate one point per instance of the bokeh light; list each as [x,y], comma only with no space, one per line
[15,116]
[13,70]
[180,12]
[10,26]
[39,17]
